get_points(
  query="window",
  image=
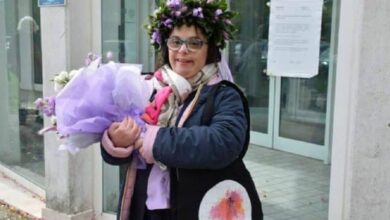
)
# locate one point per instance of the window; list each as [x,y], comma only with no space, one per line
[21,148]
[124,35]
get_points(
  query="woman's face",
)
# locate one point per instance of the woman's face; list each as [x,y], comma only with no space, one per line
[184,61]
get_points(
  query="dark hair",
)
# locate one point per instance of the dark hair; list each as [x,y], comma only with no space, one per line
[213,52]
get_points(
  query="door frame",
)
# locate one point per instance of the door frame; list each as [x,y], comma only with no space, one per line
[303,148]
[266,139]
[272,140]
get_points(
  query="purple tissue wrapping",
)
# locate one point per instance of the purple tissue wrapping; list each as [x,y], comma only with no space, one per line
[97,96]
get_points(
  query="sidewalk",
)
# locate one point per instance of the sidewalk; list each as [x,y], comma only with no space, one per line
[11,213]
[18,198]
[291,187]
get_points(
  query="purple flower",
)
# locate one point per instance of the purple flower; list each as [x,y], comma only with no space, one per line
[90,57]
[177,13]
[46,105]
[174,3]
[197,12]
[226,35]
[184,9]
[168,23]
[50,107]
[218,12]
[156,37]
[39,103]
[109,55]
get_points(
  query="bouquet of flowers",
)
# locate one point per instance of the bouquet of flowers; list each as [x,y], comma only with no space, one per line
[91,98]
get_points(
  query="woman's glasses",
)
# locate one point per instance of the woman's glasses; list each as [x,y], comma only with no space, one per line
[193,44]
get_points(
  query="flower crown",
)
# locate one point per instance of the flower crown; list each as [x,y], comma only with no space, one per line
[211,15]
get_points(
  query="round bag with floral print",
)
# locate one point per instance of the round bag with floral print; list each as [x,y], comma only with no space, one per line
[226,200]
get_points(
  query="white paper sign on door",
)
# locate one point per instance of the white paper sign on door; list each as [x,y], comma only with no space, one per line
[294,38]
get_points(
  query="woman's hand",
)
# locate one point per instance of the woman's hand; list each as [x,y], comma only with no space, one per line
[124,133]
[138,143]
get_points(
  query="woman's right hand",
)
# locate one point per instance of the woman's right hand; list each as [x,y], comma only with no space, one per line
[124,133]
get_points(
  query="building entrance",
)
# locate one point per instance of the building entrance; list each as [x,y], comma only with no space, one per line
[289,114]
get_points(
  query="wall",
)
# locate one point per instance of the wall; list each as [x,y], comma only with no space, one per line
[4,110]
[360,165]
[371,137]
[66,40]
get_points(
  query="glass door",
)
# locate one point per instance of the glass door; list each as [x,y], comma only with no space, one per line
[289,114]
[21,148]
[302,107]
[248,62]
[301,116]
[125,37]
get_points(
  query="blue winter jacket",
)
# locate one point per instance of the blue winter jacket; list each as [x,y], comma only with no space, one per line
[205,147]
[194,146]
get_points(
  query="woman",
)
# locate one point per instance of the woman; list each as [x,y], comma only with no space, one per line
[194,149]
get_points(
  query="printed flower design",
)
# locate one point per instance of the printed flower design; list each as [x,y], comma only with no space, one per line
[229,208]
[226,200]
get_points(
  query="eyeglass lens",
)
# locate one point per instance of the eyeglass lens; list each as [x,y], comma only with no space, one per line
[192,44]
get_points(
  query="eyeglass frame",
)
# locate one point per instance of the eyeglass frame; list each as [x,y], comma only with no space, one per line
[186,41]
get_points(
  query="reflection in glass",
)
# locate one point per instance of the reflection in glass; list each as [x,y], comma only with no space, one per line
[121,31]
[113,40]
[21,148]
[123,34]
[248,59]
[111,190]
[303,109]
